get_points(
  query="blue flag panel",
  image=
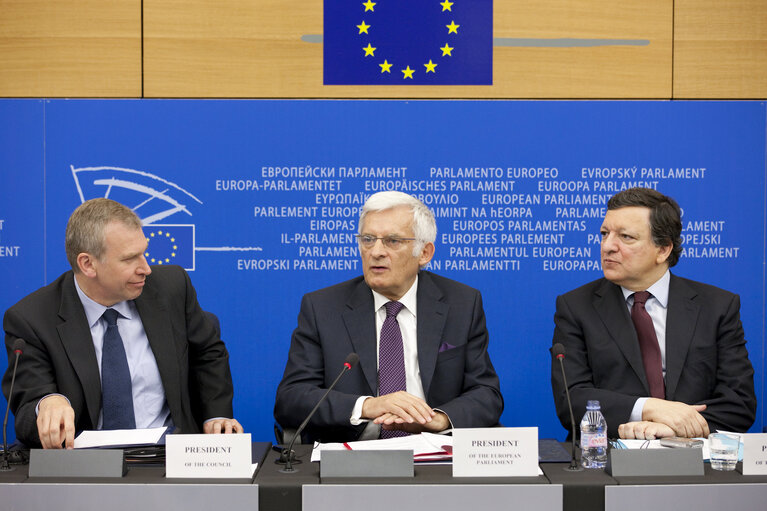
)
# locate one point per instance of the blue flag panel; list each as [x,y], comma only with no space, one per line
[170,244]
[261,200]
[406,42]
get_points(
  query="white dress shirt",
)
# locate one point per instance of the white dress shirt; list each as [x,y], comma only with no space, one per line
[149,405]
[407,319]
[657,308]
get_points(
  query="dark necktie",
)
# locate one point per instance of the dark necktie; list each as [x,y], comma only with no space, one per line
[116,389]
[391,359]
[648,344]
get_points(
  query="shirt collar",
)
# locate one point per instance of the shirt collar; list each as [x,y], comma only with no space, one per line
[408,299]
[94,310]
[659,290]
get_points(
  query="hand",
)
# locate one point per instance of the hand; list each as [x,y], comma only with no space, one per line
[684,419]
[644,430]
[216,426]
[439,422]
[56,423]
[397,405]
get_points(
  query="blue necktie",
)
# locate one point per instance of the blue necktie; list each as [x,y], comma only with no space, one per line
[116,388]
[391,359]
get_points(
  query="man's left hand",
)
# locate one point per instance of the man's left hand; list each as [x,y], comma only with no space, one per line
[684,419]
[217,426]
[437,423]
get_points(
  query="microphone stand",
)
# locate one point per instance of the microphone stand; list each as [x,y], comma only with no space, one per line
[287,455]
[6,465]
[574,467]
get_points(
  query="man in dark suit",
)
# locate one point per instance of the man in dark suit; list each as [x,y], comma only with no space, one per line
[447,379]
[665,356]
[175,366]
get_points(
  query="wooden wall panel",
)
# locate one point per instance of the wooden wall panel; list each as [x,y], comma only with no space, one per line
[639,69]
[720,49]
[70,48]
[240,48]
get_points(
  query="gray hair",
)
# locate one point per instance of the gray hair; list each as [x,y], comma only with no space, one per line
[85,229]
[424,224]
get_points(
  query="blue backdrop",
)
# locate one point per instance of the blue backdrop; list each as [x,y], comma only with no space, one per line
[259,200]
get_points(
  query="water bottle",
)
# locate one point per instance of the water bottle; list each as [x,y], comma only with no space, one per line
[593,437]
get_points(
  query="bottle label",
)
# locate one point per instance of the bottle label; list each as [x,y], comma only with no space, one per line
[592,440]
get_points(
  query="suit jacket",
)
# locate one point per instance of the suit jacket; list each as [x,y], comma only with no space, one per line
[706,357]
[457,375]
[60,358]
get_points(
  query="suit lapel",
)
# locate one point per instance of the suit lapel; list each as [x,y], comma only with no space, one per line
[75,335]
[359,319]
[155,318]
[432,314]
[681,317]
[610,305]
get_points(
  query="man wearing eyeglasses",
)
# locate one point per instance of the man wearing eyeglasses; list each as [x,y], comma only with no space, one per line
[421,340]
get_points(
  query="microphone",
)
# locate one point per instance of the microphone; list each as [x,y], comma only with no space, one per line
[18,349]
[286,456]
[559,352]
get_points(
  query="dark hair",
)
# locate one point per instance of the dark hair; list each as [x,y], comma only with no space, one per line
[665,217]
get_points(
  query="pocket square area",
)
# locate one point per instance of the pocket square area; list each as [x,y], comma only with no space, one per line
[445,346]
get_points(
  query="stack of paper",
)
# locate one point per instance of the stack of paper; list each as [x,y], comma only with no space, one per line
[426,447]
[116,438]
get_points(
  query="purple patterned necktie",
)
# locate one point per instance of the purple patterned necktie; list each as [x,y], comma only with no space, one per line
[391,359]
[648,344]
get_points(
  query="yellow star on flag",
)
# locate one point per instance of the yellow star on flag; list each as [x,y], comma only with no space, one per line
[385,67]
[452,28]
[430,67]
[364,28]
[446,6]
[446,50]
[408,73]
[369,6]
[369,50]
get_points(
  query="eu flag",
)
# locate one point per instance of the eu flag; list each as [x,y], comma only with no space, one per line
[408,42]
[170,244]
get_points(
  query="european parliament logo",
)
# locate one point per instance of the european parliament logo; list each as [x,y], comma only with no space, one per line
[154,199]
[170,244]
[408,42]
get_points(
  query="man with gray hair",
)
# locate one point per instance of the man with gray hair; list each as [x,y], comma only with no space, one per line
[421,340]
[114,343]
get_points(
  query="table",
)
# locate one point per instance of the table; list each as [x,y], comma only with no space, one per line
[143,488]
[306,491]
[146,489]
[716,490]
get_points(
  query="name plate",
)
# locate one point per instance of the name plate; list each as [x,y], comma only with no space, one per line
[208,456]
[76,463]
[655,462]
[495,452]
[366,464]
[754,454]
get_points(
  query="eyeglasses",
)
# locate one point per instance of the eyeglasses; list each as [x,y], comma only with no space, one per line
[390,242]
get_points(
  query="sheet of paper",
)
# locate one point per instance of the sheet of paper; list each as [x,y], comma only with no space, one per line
[641,444]
[119,437]
[655,444]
